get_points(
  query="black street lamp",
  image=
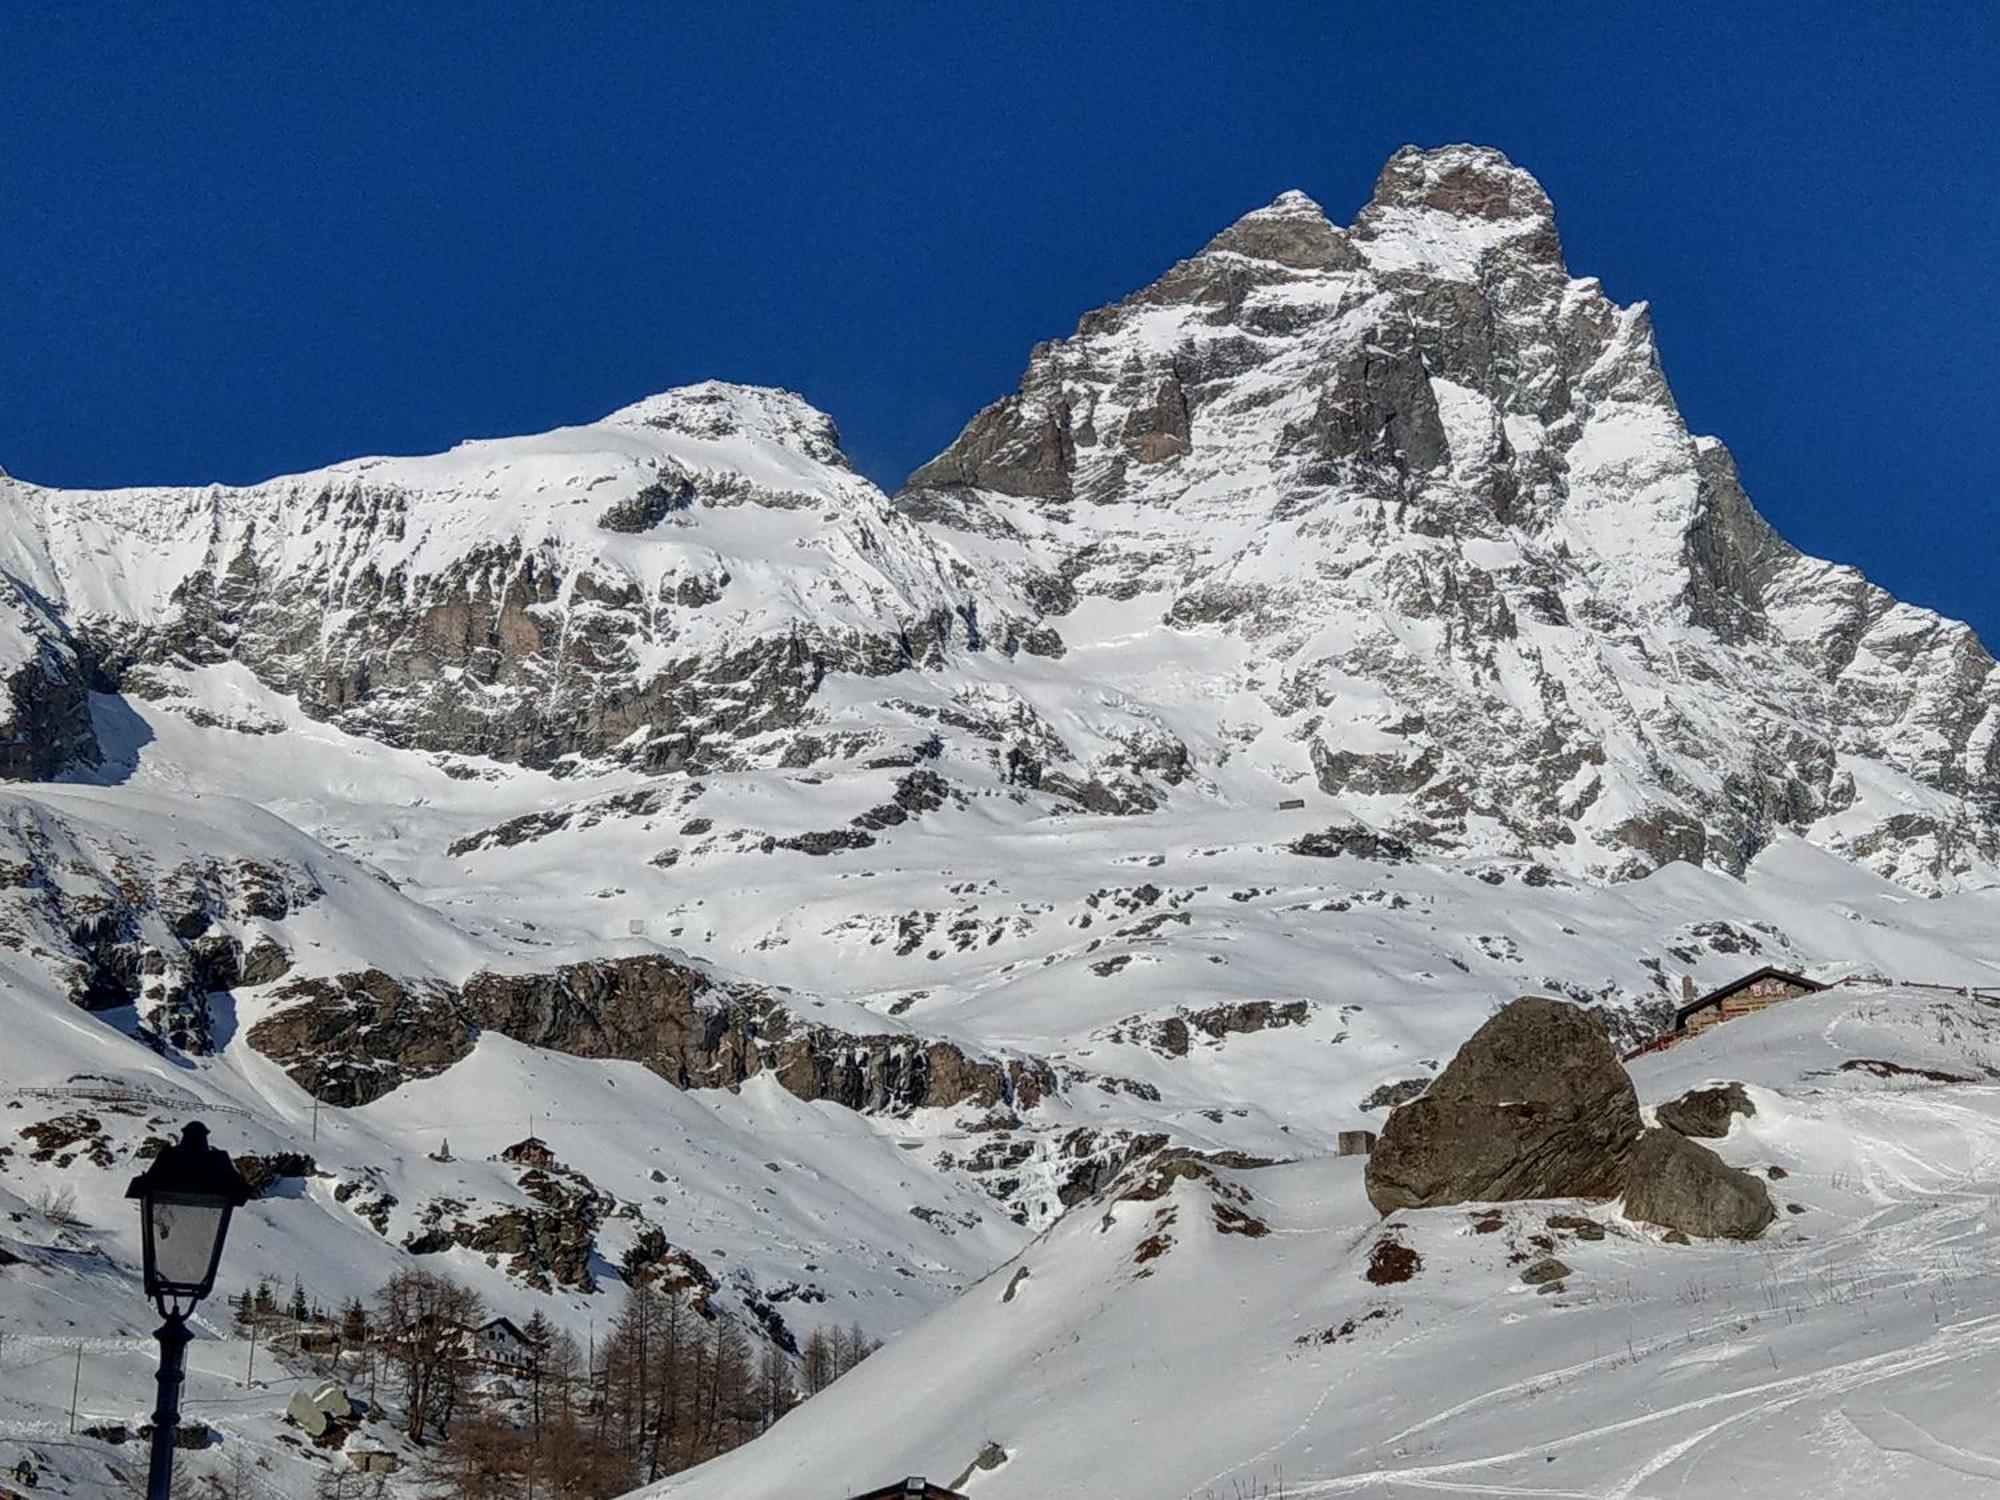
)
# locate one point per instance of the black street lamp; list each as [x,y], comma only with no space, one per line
[185,1198]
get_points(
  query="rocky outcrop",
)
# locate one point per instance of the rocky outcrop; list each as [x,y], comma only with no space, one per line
[646,1010]
[353,1038]
[45,723]
[1706,1113]
[121,927]
[1354,841]
[1680,1186]
[262,1173]
[549,1243]
[1175,1035]
[1535,1105]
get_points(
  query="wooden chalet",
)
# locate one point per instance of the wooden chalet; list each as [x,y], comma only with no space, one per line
[1743,997]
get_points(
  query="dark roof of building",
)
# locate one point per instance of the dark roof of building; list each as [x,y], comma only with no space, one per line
[913,1488]
[1716,997]
[504,1324]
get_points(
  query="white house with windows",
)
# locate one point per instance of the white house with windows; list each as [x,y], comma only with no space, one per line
[501,1345]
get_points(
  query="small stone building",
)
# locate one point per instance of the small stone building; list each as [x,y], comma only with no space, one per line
[1743,997]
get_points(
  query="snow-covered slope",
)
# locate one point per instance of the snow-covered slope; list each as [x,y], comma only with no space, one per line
[1327,643]
[1223,1337]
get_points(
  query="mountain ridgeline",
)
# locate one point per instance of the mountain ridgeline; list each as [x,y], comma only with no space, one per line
[1401,514]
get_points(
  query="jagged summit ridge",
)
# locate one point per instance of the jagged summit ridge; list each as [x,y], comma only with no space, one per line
[1291,231]
[1461,181]
[1444,212]
[1445,484]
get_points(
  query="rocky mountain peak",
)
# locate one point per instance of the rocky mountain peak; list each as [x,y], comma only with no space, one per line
[718,409]
[1472,182]
[1416,454]
[1291,230]
[1430,207]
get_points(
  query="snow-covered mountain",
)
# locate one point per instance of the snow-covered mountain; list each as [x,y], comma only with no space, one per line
[1326,643]
[651,588]
[1408,506]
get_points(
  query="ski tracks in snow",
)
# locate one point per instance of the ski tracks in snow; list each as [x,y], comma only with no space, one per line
[1743,1404]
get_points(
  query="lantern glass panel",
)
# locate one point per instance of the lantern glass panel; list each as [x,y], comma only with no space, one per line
[186,1233]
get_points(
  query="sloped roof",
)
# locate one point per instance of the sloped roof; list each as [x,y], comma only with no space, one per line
[1717,996]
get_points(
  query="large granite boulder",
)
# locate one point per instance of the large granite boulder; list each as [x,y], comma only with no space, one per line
[1706,1113]
[1676,1184]
[1535,1105]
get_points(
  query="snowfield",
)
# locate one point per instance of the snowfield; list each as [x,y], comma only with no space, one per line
[1852,1351]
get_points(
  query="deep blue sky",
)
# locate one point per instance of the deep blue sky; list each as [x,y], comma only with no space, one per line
[239,241]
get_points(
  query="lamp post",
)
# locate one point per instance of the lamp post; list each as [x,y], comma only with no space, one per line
[186,1196]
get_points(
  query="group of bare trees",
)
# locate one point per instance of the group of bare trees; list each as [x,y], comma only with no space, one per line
[828,1356]
[673,1384]
[423,1325]
[676,1388]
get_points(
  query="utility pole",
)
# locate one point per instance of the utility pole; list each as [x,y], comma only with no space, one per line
[250,1369]
[315,1117]
[75,1386]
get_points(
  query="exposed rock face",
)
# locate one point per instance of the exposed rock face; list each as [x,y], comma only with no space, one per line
[641,1010]
[45,724]
[351,1039]
[124,927]
[355,1037]
[1706,1113]
[1679,1185]
[1535,1105]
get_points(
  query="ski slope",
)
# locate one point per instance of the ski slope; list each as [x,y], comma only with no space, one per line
[1851,1352]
